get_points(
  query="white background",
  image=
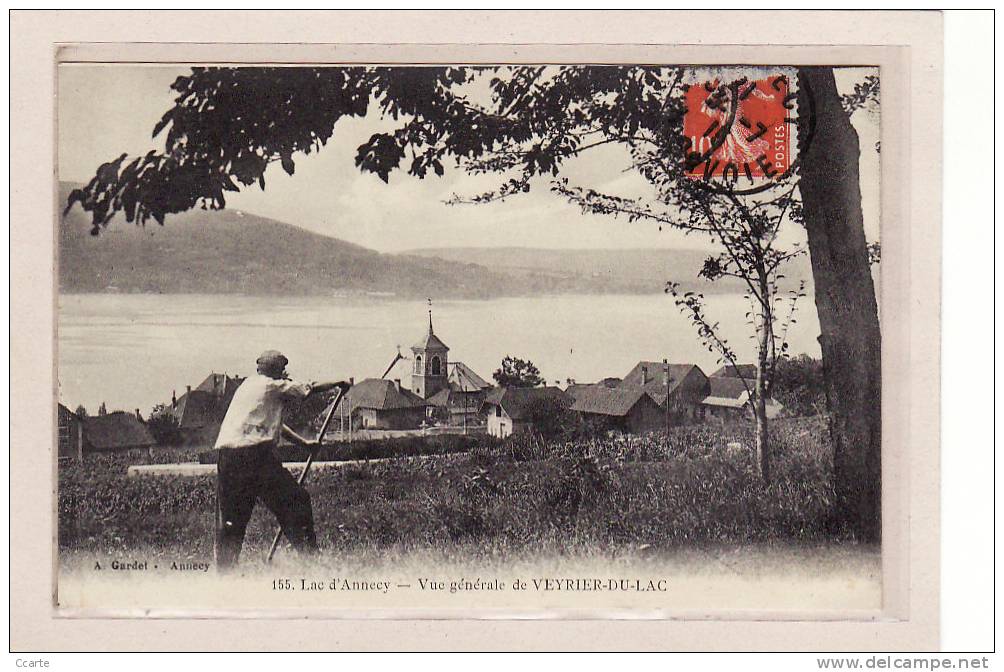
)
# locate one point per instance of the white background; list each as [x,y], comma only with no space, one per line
[968,466]
[967,442]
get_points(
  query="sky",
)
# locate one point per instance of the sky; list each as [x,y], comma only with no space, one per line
[105,110]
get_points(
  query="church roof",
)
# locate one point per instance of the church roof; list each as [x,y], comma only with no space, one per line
[465,380]
[430,342]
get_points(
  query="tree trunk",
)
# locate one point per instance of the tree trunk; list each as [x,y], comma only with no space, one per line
[760,389]
[760,407]
[845,301]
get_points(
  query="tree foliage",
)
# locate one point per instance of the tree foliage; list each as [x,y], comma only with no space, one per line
[227,125]
[799,386]
[164,427]
[516,372]
[866,95]
[551,419]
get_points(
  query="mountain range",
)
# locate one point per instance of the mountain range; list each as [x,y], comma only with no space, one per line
[230,252]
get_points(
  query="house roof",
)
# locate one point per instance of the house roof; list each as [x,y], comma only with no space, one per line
[726,402]
[456,399]
[519,402]
[728,388]
[574,389]
[117,430]
[441,398]
[732,393]
[220,384]
[656,385]
[464,378]
[382,395]
[196,409]
[747,371]
[606,401]
[206,404]
[606,383]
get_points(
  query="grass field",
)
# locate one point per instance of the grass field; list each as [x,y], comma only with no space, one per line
[501,500]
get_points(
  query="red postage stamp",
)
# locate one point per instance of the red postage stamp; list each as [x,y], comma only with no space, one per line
[739,129]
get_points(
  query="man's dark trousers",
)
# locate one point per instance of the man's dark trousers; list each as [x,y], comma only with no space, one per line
[244,475]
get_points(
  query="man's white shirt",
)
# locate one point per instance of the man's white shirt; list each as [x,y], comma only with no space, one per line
[255,414]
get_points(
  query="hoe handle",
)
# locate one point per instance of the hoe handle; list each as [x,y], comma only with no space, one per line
[306,467]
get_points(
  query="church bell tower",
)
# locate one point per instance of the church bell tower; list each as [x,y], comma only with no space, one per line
[429,374]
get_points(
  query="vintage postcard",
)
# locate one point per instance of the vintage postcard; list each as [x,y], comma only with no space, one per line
[477,338]
[513,337]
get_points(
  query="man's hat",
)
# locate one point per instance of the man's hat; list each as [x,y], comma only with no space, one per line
[272,359]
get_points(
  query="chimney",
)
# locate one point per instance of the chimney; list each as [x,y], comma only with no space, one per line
[138,416]
[188,389]
[397,384]
[644,376]
[174,398]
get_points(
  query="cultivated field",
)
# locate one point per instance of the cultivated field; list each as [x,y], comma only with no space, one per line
[499,501]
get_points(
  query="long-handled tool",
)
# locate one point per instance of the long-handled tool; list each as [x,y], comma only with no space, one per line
[320,437]
[310,461]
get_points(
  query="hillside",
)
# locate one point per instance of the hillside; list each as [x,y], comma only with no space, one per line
[226,252]
[639,269]
[229,252]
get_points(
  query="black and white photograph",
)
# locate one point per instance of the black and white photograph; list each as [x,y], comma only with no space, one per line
[455,336]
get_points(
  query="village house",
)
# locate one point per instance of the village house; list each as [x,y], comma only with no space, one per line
[117,430]
[747,371]
[609,383]
[107,432]
[629,409]
[684,385]
[728,399]
[200,411]
[459,403]
[375,403]
[70,431]
[511,410]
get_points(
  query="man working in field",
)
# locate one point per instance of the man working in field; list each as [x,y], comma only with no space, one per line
[247,469]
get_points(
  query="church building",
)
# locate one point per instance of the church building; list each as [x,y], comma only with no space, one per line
[455,393]
[430,373]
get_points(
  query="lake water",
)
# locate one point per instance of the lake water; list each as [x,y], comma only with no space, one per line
[131,351]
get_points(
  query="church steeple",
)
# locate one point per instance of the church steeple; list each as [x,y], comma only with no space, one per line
[430,374]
